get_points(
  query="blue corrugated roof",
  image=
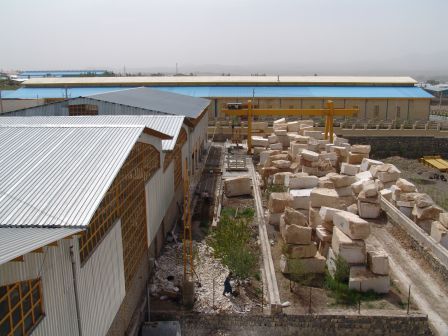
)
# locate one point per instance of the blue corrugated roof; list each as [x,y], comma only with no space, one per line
[239,91]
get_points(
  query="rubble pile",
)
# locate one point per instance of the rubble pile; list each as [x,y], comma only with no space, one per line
[167,281]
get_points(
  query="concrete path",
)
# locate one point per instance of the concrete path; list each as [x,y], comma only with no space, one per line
[426,293]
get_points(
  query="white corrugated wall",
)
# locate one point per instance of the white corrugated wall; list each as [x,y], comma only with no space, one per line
[101,284]
[159,191]
[54,267]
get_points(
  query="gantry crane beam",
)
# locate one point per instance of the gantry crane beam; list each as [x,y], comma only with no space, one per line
[330,112]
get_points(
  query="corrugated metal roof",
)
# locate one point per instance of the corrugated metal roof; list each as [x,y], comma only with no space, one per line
[169,125]
[156,100]
[226,80]
[239,92]
[57,176]
[15,242]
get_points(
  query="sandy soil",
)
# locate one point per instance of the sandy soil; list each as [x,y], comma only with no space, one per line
[428,291]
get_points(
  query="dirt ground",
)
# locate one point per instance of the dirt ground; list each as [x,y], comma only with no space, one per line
[423,177]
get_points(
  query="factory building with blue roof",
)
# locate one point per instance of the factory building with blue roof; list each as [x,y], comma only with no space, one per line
[377,98]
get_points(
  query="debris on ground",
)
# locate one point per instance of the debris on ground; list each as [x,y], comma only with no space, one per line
[209,278]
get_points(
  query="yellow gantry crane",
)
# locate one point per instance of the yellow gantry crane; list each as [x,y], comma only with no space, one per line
[187,238]
[329,113]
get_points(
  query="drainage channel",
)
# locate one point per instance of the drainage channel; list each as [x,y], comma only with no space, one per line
[269,271]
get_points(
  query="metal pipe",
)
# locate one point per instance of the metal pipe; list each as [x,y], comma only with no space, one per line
[75,290]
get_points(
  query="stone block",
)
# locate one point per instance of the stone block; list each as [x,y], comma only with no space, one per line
[280,156]
[368,210]
[340,151]
[443,219]
[423,200]
[378,261]
[310,170]
[272,139]
[279,121]
[258,141]
[407,204]
[369,188]
[430,212]
[295,234]
[349,169]
[363,198]
[295,217]
[361,279]
[386,172]
[281,164]
[352,251]
[323,248]
[280,178]
[424,224]
[277,146]
[367,163]
[320,197]
[281,132]
[352,225]
[331,262]
[300,251]
[297,148]
[338,141]
[300,198]
[353,208]
[364,176]
[315,264]
[324,234]
[293,126]
[325,182]
[237,186]
[357,187]
[340,181]
[356,158]
[360,149]
[328,156]
[439,233]
[314,217]
[274,218]
[268,171]
[284,140]
[344,191]
[406,211]
[309,155]
[278,201]
[327,213]
[387,194]
[318,135]
[405,185]
[303,181]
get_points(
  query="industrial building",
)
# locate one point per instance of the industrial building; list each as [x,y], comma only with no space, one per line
[377,98]
[86,202]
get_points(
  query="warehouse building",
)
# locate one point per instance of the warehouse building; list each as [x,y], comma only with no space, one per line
[136,101]
[86,202]
[377,98]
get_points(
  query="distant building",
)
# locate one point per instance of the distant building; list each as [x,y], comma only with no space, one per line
[93,186]
[439,90]
[377,98]
[59,73]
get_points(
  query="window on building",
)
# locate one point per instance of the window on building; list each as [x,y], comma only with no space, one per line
[398,110]
[376,111]
[21,307]
[82,109]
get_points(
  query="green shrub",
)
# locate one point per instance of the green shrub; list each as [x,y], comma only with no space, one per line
[231,242]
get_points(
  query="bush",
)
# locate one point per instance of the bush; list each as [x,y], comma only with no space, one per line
[231,242]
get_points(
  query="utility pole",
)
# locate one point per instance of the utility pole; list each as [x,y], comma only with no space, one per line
[176,69]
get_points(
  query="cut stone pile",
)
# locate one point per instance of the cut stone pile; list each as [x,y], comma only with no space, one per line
[300,254]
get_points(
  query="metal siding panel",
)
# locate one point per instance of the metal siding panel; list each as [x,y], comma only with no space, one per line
[54,267]
[101,284]
[159,194]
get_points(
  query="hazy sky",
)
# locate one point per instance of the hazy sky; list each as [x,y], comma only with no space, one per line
[297,36]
